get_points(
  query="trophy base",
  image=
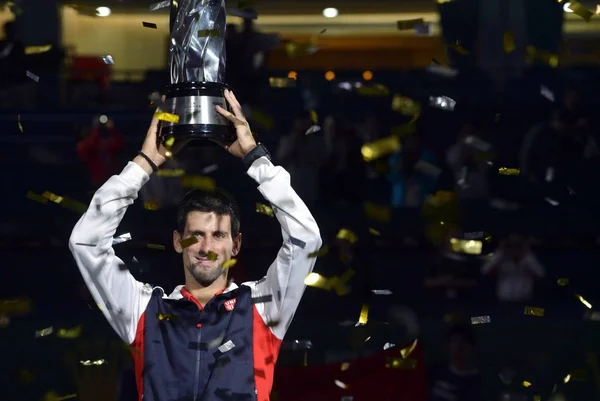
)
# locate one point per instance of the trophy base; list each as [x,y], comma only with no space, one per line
[199,121]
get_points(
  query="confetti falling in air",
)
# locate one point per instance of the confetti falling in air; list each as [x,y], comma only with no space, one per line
[380,148]
[400,363]
[52,396]
[184,243]
[213,33]
[364,315]
[108,59]
[533,311]
[229,263]
[44,332]
[32,76]
[409,24]
[168,117]
[199,181]
[160,5]
[480,319]
[265,209]
[149,25]
[156,246]
[279,82]
[346,234]
[97,362]
[320,252]
[29,50]
[19,123]
[563,282]
[165,317]
[583,301]
[508,41]
[70,334]
[212,256]
[509,171]
[151,205]
[580,10]
[341,384]
[405,352]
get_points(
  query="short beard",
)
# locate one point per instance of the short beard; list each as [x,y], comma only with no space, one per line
[206,278]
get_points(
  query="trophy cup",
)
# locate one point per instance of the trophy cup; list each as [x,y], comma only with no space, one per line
[197,69]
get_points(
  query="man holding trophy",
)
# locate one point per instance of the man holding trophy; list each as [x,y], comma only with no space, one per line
[207,340]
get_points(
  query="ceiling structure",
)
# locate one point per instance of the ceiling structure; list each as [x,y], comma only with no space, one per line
[356,17]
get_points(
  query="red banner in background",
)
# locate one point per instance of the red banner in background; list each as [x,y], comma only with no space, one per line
[365,379]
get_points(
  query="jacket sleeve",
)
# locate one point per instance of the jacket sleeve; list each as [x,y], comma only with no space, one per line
[278,294]
[119,296]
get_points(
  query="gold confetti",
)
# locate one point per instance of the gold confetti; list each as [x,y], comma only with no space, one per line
[347,235]
[165,316]
[320,252]
[264,209]
[52,396]
[405,106]
[29,50]
[314,117]
[509,171]
[405,129]
[213,33]
[70,333]
[198,181]
[405,352]
[168,117]
[563,282]
[19,122]
[381,213]
[526,383]
[151,205]
[16,306]
[364,314]
[65,202]
[374,232]
[509,42]
[149,25]
[457,47]
[339,283]
[279,82]
[317,281]
[229,263]
[581,10]
[375,90]
[345,366]
[532,311]
[212,256]
[380,147]
[188,242]
[469,247]
[399,363]
[171,173]
[262,119]
[35,197]
[583,301]
[533,54]
[156,246]
[409,24]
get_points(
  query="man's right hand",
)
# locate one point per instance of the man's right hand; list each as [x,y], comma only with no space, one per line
[154,149]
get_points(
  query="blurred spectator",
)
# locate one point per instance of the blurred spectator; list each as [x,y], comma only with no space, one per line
[516,267]
[99,148]
[12,69]
[303,156]
[459,379]
[557,150]
[411,173]
[469,167]
[343,176]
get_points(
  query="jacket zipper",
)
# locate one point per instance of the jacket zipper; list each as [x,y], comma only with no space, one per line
[198,358]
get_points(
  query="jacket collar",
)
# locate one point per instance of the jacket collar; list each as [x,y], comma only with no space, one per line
[176,294]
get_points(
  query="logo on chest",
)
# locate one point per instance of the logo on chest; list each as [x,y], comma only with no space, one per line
[229,304]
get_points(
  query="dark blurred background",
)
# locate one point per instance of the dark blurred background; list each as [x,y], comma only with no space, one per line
[456,139]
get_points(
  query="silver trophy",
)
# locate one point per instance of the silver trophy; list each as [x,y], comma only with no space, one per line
[197,69]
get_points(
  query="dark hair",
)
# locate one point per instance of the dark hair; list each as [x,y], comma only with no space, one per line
[218,201]
[463,331]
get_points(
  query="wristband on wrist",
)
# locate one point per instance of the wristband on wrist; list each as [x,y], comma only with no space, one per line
[150,162]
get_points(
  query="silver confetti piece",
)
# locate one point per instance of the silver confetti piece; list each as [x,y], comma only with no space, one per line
[228,346]
[160,5]
[480,319]
[32,76]
[108,59]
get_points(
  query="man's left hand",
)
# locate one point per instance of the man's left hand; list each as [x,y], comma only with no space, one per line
[245,140]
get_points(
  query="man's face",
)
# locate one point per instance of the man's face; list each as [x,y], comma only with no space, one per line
[204,259]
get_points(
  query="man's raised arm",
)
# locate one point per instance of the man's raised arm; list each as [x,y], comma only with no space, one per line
[120,297]
[284,283]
